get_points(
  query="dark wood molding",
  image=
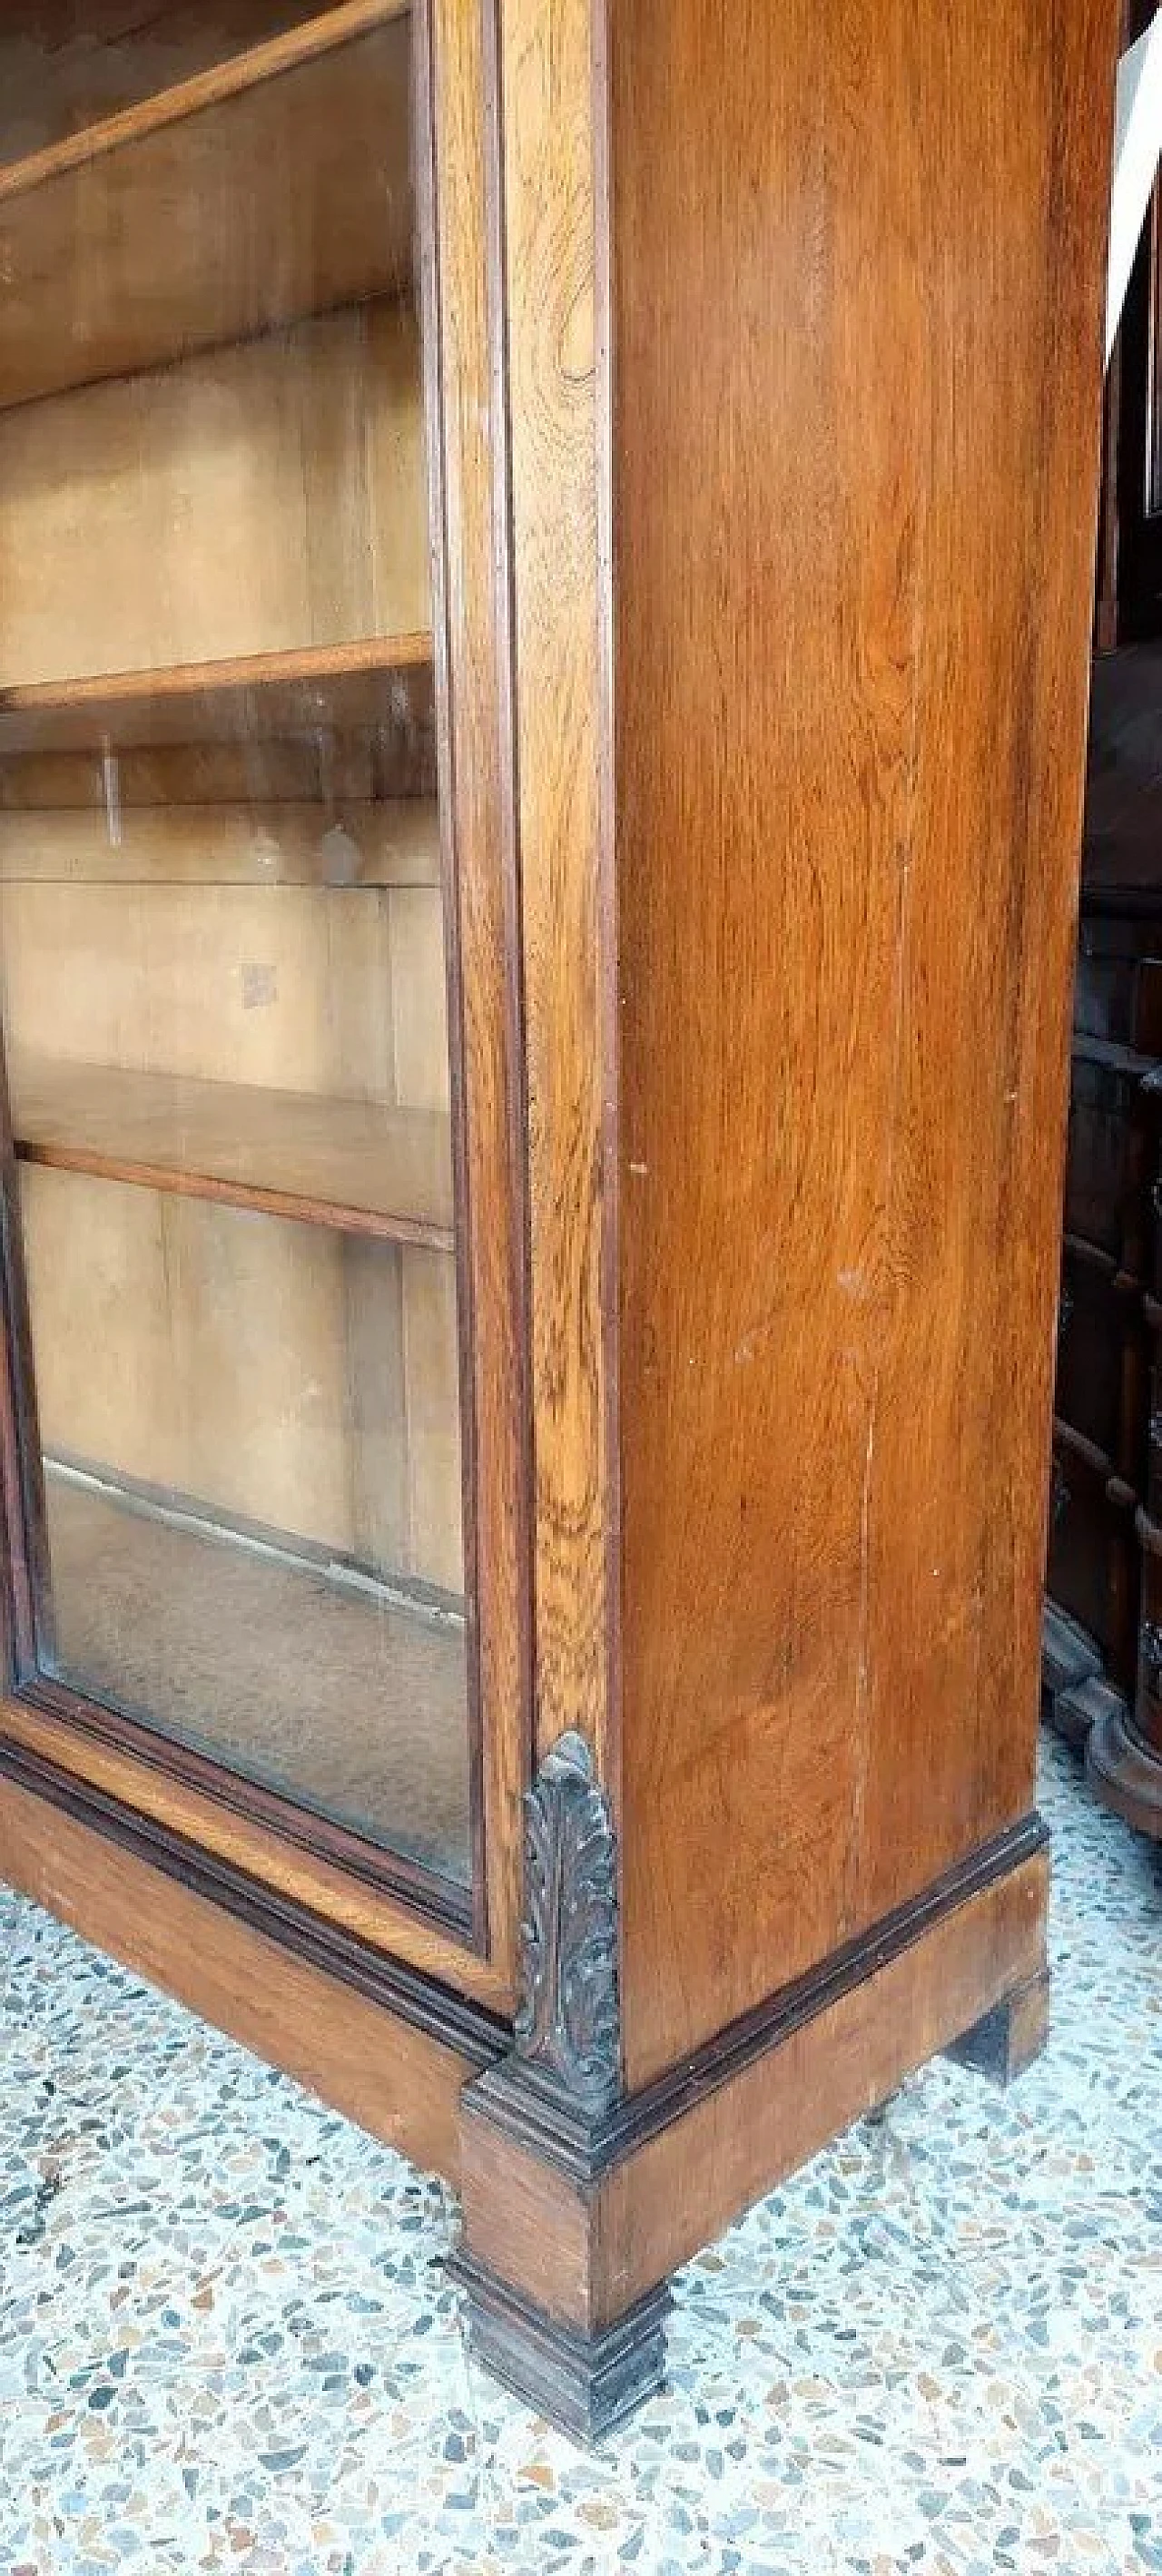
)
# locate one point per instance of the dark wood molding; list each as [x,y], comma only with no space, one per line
[581,2146]
[587,2384]
[1093,1254]
[538,2114]
[438,1900]
[420,2000]
[583,2238]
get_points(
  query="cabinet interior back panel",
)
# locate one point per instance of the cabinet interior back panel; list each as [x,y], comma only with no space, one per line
[58,76]
[261,1371]
[337,992]
[259,499]
[355,841]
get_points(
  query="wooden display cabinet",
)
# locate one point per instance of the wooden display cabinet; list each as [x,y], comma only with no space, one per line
[545,557]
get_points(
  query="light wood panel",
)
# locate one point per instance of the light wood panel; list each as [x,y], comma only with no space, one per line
[853,579]
[357,1166]
[337,991]
[351,842]
[283,987]
[431,1386]
[262,1370]
[251,705]
[223,1373]
[63,69]
[275,186]
[352,1699]
[260,500]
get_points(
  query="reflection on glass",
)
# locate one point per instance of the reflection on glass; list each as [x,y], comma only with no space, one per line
[221,914]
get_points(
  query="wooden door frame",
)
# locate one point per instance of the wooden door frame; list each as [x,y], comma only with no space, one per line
[469,1936]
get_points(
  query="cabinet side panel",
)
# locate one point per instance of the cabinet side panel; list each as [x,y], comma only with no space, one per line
[857,286]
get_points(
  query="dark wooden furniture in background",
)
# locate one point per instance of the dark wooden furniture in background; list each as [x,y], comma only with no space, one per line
[1101,1677]
[543,658]
[1100,1663]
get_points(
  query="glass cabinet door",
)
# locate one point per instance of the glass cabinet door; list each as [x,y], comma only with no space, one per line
[224,907]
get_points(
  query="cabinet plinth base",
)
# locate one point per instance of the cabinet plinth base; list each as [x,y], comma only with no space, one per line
[586,2384]
[593,2215]
[1006,2040]
[1125,1773]
[574,2219]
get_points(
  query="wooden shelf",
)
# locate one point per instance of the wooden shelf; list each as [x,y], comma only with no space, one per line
[344,1163]
[274,186]
[261,696]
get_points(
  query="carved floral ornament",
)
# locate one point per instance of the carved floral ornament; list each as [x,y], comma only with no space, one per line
[567,2028]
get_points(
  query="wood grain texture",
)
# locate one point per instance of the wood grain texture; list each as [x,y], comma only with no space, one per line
[330,497]
[261,499]
[349,841]
[339,1428]
[464,327]
[357,1165]
[244,699]
[852,584]
[550,211]
[98,77]
[290,165]
[140,1782]
[586,2249]
[391,2079]
[64,70]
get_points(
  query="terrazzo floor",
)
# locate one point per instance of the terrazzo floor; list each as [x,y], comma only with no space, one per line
[226,2340]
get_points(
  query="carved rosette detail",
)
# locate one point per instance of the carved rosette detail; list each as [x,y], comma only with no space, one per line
[568,2028]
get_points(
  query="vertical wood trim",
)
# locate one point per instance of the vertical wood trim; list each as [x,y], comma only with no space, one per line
[552,219]
[484,992]
[25,1593]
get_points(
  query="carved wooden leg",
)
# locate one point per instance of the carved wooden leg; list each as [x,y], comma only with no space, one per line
[580,2200]
[541,2299]
[588,2383]
[1008,2038]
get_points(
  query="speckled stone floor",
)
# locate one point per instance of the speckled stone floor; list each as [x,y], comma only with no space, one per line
[226,2340]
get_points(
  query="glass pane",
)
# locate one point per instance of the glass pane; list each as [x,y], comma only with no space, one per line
[222,931]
